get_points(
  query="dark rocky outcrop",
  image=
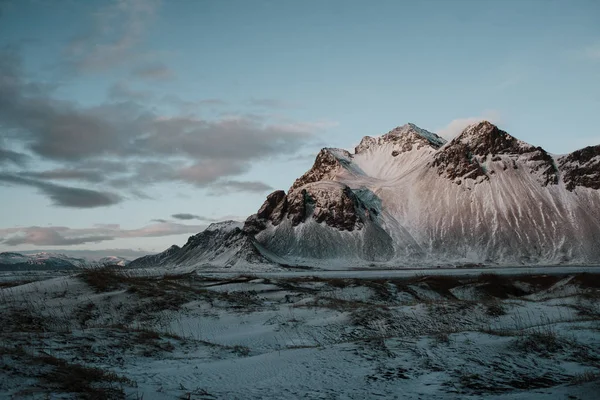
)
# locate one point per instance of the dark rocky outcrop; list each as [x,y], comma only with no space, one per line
[464,157]
[581,168]
[339,208]
[457,161]
[325,167]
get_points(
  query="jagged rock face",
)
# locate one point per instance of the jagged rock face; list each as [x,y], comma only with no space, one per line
[404,138]
[339,208]
[274,207]
[485,138]
[326,165]
[582,168]
[456,162]
[467,155]
[273,210]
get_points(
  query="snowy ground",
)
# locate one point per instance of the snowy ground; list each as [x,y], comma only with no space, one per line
[129,334]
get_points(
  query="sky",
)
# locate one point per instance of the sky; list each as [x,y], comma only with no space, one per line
[128,125]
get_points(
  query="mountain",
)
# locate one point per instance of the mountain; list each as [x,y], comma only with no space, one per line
[10,261]
[410,198]
[222,244]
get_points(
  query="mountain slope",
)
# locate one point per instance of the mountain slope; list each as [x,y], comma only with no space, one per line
[222,245]
[410,198]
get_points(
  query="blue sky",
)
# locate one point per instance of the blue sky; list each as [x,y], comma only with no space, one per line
[133,124]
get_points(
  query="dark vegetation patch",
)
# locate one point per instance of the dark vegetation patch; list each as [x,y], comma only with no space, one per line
[479,384]
[587,280]
[8,284]
[499,286]
[23,318]
[490,284]
[545,343]
[56,375]
[539,282]
[167,292]
[495,309]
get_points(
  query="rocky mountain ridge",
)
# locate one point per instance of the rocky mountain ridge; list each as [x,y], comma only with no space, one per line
[410,198]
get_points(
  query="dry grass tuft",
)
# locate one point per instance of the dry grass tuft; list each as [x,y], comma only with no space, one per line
[58,376]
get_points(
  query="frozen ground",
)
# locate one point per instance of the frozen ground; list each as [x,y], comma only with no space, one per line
[352,335]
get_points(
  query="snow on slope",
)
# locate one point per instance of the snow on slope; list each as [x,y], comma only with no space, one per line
[223,245]
[409,198]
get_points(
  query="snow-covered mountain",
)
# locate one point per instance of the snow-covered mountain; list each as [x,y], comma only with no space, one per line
[409,198]
[10,261]
[222,244]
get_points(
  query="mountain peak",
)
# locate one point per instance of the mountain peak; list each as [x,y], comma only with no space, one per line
[327,164]
[468,155]
[404,136]
[484,138]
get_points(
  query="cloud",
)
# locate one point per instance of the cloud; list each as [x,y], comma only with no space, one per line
[270,103]
[9,156]
[66,174]
[162,229]
[205,172]
[455,127]
[159,220]
[64,236]
[122,91]
[186,216]
[115,32]
[63,131]
[49,237]
[125,145]
[154,72]
[240,186]
[190,106]
[65,196]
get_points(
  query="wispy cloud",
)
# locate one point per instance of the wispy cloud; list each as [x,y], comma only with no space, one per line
[64,236]
[65,174]
[456,126]
[270,103]
[186,216]
[233,186]
[122,91]
[65,196]
[115,32]
[154,72]
[13,157]
[124,144]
